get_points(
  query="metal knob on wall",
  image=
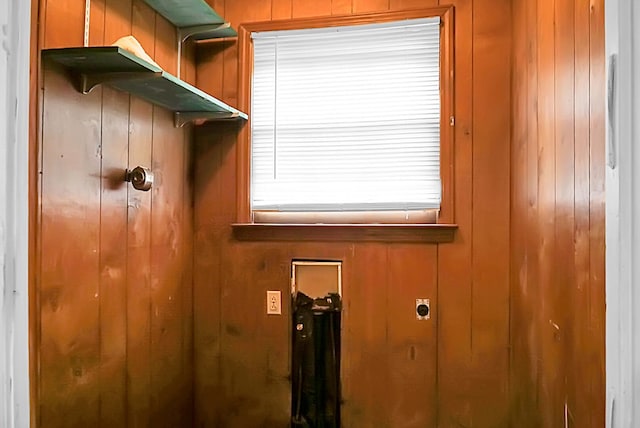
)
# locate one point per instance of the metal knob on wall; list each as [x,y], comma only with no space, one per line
[141,178]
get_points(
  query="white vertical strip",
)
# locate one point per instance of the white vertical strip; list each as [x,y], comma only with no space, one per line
[614,359]
[623,214]
[19,218]
[633,217]
[630,217]
[14,212]
[6,310]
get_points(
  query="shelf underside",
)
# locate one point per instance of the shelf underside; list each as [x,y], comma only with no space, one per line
[188,15]
[124,71]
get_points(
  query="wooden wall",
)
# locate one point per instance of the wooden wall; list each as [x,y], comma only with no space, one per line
[112,298]
[557,226]
[452,371]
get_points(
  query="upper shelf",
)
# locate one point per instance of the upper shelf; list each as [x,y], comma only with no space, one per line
[124,71]
[194,18]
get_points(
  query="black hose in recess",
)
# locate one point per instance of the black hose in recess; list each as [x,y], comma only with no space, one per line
[335,365]
[299,403]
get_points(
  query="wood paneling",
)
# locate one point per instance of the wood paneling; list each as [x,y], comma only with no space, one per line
[455,386]
[113,286]
[397,371]
[516,336]
[490,216]
[557,221]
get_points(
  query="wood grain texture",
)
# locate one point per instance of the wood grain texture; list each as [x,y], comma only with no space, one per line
[522,388]
[281,9]
[341,7]
[596,315]
[557,256]
[432,233]
[69,351]
[582,336]
[396,371]
[490,253]
[307,9]
[113,233]
[365,6]
[517,330]
[69,272]
[455,303]
[113,286]
[412,343]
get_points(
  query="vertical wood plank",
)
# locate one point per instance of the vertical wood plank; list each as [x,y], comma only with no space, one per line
[209,73]
[64,22]
[69,355]
[243,352]
[206,276]
[521,385]
[454,259]
[167,388]
[168,407]
[552,413]
[565,343]
[98,25]
[69,366]
[138,241]
[533,352]
[564,192]
[341,7]
[412,347]
[240,12]
[364,6]
[597,211]
[491,178]
[275,274]
[582,336]
[113,234]
[411,4]
[365,336]
[306,9]
[281,9]
[187,279]
[214,210]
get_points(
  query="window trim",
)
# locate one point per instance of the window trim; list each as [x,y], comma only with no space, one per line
[446,215]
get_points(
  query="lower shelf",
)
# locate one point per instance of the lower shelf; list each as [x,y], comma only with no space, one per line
[122,70]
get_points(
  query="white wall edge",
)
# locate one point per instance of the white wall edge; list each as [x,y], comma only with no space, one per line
[622,215]
[14,212]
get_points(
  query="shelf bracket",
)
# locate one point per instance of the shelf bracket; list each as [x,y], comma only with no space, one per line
[90,81]
[210,29]
[184,117]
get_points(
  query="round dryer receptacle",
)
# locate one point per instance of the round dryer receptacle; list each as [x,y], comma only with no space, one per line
[422,310]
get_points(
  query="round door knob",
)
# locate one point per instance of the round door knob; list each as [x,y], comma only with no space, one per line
[141,178]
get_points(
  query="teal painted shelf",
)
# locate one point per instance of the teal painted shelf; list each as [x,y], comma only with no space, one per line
[122,70]
[194,18]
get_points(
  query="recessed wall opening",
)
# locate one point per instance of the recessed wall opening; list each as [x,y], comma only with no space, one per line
[316,325]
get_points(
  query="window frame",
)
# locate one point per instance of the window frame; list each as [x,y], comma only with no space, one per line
[445,219]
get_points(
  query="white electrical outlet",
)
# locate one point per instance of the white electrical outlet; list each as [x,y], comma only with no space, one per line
[274,303]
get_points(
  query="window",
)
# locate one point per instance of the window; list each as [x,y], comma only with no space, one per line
[347,116]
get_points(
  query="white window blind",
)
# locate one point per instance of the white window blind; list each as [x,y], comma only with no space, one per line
[347,118]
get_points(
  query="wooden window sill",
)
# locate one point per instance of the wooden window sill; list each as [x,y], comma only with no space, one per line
[429,233]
